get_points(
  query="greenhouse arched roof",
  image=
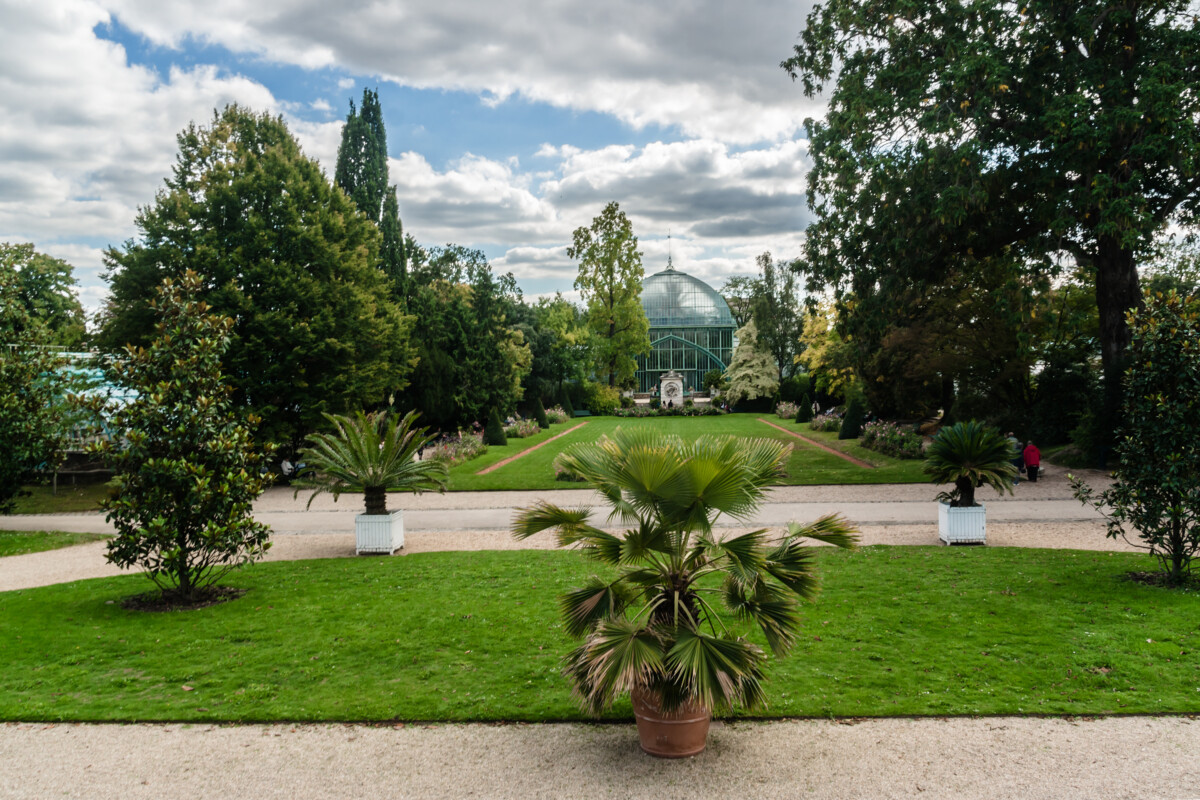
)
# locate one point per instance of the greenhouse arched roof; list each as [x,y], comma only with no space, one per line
[673,299]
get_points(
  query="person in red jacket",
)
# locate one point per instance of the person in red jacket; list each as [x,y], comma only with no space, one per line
[1033,461]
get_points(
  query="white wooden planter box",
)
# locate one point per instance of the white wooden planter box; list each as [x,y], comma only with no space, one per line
[379,533]
[962,525]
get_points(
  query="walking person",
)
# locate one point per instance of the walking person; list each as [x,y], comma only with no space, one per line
[1033,461]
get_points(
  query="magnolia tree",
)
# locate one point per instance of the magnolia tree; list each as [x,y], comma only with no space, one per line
[187,470]
[1156,492]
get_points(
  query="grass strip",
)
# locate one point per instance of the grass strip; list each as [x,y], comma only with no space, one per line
[19,543]
[475,636]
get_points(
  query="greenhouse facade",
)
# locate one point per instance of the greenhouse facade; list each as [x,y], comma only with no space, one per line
[691,330]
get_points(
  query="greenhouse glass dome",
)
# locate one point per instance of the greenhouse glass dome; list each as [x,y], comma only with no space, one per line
[691,329]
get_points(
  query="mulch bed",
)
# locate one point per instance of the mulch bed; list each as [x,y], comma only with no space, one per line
[157,601]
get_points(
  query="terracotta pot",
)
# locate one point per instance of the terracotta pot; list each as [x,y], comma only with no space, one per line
[677,734]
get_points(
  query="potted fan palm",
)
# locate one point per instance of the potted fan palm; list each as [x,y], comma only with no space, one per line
[372,453]
[661,626]
[969,455]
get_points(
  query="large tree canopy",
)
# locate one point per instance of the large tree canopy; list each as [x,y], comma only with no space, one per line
[610,283]
[283,253]
[1034,132]
[362,169]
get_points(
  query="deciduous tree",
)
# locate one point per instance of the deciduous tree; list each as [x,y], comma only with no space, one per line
[610,283]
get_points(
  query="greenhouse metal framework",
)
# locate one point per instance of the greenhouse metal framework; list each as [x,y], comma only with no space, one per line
[691,329]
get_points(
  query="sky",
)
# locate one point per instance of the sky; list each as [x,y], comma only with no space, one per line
[510,123]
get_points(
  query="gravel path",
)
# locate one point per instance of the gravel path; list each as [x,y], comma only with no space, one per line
[1126,757]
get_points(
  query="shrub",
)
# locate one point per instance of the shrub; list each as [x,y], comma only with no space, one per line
[689,403]
[602,399]
[493,434]
[892,440]
[556,415]
[1156,492]
[655,403]
[188,470]
[853,421]
[786,410]
[827,423]
[626,401]
[522,428]
[714,379]
[539,413]
[804,408]
[454,450]
[567,407]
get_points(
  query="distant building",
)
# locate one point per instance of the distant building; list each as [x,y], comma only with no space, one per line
[691,329]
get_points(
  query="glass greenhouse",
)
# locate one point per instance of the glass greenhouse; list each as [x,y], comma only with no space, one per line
[691,329]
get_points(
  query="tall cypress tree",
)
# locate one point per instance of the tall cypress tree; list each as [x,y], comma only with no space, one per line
[392,258]
[362,169]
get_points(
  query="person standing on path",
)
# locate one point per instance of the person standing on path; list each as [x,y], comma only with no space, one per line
[1033,461]
[1018,460]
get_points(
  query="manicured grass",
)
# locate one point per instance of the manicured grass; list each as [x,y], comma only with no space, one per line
[807,465]
[69,498]
[16,543]
[475,636]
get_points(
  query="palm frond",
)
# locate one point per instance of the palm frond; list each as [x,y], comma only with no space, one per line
[832,529]
[770,607]
[584,608]
[621,654]
[718,672]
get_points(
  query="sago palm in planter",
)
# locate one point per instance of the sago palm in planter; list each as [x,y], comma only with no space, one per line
[969,455]
[660,629]
[372,453]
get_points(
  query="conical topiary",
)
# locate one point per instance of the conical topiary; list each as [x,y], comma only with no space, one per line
[494,432]
[853,421]
[566,404]
[539,413]
[804,410]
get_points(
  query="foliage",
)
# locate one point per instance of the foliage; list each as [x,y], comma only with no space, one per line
[285,255]
[786,410]
[362,170]
[646,628]
[471,358]
[626,401]
[892,439]
[652,410]
[556,415]
[826,355]
[493,432]
[829,423]
[773,301]
[752,372]
[793,387]
[610,284]
[522,428]
[804,411]
[970,454]
[559,343]
[852,422]
[456,449]
[995,136]
[602,399]
[539,413]
[568,409]
[392,258]
[187,470]
[31,386]
[715,379]
[370,453]
[1155,492]
[45,288]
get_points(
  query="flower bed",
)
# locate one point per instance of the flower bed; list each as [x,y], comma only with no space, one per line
[826,422]
[457,449]
[677,411]
[892,440]
[556,414]
[521,428]
[786,410]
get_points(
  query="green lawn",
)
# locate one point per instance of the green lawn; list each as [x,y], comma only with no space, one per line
[807,466]
[475,636]
[16,543]
[69,498]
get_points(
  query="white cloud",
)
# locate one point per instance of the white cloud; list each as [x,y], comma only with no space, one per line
[710,67]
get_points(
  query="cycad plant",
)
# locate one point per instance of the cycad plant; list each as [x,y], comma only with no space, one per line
[970,454]
[370,453]
[666,623]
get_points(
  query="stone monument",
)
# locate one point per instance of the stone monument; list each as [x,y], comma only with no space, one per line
[671,388]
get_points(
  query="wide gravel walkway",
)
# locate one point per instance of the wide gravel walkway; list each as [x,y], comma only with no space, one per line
[1126,757]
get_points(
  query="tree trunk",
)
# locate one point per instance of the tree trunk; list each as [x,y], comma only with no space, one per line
[1117,292]
[376,498]
[966,492]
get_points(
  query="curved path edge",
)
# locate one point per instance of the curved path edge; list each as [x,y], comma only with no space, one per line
[858,462]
